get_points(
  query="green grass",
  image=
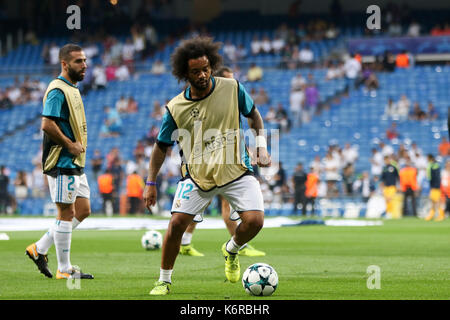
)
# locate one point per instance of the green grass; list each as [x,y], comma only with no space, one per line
[313,262]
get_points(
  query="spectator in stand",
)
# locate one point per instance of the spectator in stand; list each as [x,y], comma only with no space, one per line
[417,113]
[278,44]
[306,56]
[132,106]
[403,106]
[311,101]
[395,29]
[271,116]
[158,110]
[135,187]
[38,183]
[391,132]
[432,113]
[266,45]
[437,30]
[122,104]
[444,147]
[261,97]
[333,71]
[96,163]
[128,51]
[348,179]
[332,176]
[99,75]
[388,61]
[352,68]
[152,134]
[122,73]
[255,45]
[254,73]
[138,40]
[390,111]
[113,123]
[282,118]
[158,67]
[402,60]
[54,54]
[241,53]
[413,29]
[229,50]
[297,100]
[386,149]
[5,101]
[376,162]
[21,185]
[349,155]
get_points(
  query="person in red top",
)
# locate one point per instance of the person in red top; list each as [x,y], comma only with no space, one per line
[409,186]
[402,60]
[311,184]
[135,187]
[444,147]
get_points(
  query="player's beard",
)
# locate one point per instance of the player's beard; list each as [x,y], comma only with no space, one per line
[74,75]
[200,85]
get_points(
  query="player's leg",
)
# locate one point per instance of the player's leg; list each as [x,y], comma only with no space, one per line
[245,196]
[186,247]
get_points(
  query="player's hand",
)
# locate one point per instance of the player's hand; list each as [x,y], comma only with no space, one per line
[149,196]
[263,158]
[76,148]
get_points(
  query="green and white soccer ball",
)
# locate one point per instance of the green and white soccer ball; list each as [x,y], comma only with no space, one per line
[260,279]
[152,240]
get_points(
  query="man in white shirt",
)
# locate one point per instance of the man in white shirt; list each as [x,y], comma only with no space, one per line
[350,154]
[306,56]
[376,163]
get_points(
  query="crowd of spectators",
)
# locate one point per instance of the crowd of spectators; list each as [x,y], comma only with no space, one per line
[22,93]
[402,110]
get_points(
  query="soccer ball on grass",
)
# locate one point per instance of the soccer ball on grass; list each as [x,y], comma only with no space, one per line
[151,240]
[260,279]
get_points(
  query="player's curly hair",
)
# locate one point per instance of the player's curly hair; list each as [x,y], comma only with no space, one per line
[192,49]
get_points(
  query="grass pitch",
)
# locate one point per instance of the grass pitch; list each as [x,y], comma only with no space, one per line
[312,262]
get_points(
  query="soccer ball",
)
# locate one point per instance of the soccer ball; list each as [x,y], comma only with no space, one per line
[151,240]
[260,279]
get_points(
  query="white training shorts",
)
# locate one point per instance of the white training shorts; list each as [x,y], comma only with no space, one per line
[243,194]
[66,189]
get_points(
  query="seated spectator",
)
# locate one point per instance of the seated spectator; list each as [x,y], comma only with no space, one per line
[278,44]
[122,105]
[5,101]
[122,73]
[271,115]
[444,147]
[266,45]
[132,106]
[158,67]
[403,106]
[255,46]
[158,110]
[395,29]
[229,50]
[261,97]
[254,73]
[437,30]
[417,113]
[297,82]
[388,62]
[282,118]
[306,56]
[390,111]
[402,60]
[333,71]
[413,29]
[241,52]
[332,32]
[432,113]
[391,132]
[113,123]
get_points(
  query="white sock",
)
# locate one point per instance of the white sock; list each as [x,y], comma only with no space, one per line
[232,247]
[75,223]
[47,240]
[165,275]
[63,237]
[186,239]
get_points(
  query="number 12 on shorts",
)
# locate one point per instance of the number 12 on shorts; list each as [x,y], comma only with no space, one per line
[184,189]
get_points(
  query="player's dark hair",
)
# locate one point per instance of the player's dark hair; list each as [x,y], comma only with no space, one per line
[192,49]
[64,52]
[221,71]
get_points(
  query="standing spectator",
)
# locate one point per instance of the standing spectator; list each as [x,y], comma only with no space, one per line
[122,73]
[409,186]
[348,179]
[349,154]
[402,60]
[297,82]
[391,132]
[352,68]
[54,54]
[128,51]
[376,163]
[390,111]
[311,101]
[105,183]
[135,187]
[96,163]
[99,75]
[4,195]
[39,184]
[298,180]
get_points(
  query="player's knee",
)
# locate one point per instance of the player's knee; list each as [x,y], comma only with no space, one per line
[256,222]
